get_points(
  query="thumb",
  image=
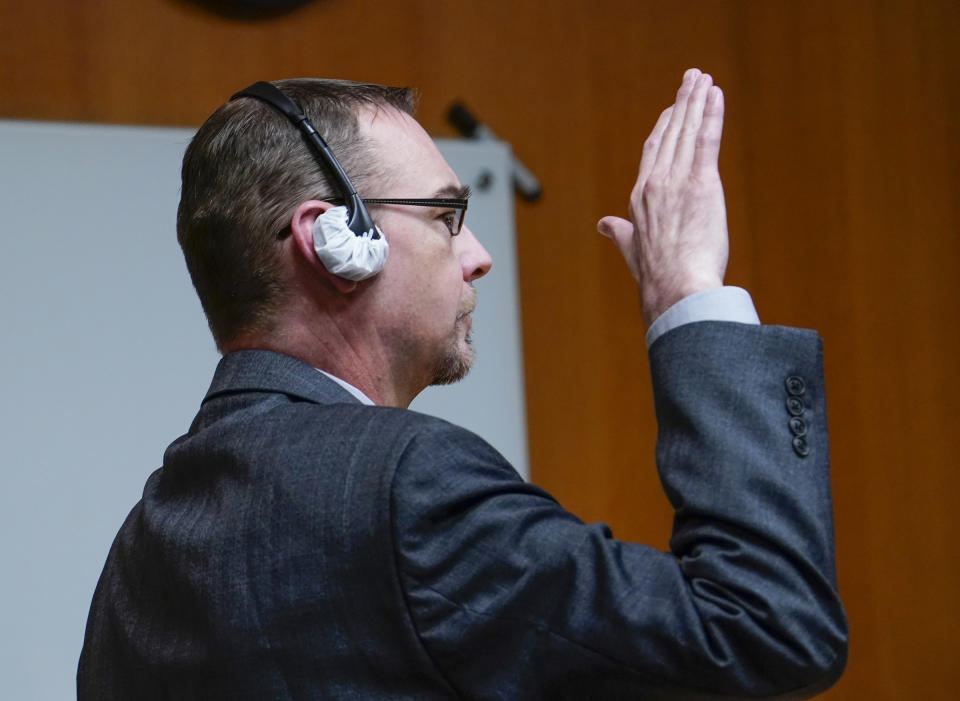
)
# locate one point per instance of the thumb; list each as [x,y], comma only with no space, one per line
[615,228]
[620,231]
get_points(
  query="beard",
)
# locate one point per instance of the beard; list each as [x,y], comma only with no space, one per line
[457,359]
[454,365]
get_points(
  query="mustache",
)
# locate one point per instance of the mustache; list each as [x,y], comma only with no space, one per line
[469,303]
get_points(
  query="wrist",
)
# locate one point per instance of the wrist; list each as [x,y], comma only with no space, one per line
[656,299]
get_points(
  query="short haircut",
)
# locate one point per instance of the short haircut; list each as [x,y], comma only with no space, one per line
[245,172]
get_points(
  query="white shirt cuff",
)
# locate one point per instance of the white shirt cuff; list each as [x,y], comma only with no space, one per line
[715,304]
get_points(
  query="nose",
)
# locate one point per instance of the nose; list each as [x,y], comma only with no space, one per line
[474,259]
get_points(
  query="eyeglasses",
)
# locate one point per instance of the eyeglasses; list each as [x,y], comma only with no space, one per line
[455,219]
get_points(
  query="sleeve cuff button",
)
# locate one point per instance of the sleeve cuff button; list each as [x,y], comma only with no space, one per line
[796,386]
[795,406]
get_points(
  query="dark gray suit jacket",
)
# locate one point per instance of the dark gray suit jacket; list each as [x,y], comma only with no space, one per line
[297,544]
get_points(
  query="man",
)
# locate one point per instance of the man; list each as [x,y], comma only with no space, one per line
[311,538]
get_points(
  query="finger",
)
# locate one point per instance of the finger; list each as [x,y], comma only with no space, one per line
[672,132]
[687,140]
[651,147]
[707,152]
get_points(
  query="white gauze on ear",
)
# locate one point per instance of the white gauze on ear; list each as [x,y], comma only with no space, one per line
[343,252]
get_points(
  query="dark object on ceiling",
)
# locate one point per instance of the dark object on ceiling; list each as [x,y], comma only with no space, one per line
[250,10]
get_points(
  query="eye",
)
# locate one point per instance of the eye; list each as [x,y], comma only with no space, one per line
[450,221]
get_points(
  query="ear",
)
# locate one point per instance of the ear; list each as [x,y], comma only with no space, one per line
[301,228]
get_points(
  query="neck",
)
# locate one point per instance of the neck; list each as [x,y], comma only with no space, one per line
[344,349]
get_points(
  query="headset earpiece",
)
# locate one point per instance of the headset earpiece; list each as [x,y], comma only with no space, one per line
[344,253]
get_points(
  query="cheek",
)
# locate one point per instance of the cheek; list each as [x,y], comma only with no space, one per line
[423,271]
[438,274]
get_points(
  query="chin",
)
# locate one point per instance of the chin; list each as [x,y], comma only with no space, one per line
[455,363]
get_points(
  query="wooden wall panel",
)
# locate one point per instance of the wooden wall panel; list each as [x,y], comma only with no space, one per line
[841,167]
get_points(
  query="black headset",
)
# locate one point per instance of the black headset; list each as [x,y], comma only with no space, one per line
[359,220]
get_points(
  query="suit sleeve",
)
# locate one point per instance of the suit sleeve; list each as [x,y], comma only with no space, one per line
[514,597]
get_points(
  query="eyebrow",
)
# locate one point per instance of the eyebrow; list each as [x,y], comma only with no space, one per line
[454,192]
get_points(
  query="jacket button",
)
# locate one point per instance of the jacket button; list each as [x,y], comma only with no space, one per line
[795,406]
[796,386]
[800,446]
[797,426]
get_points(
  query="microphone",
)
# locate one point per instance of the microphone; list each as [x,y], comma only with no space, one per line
[524,181]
